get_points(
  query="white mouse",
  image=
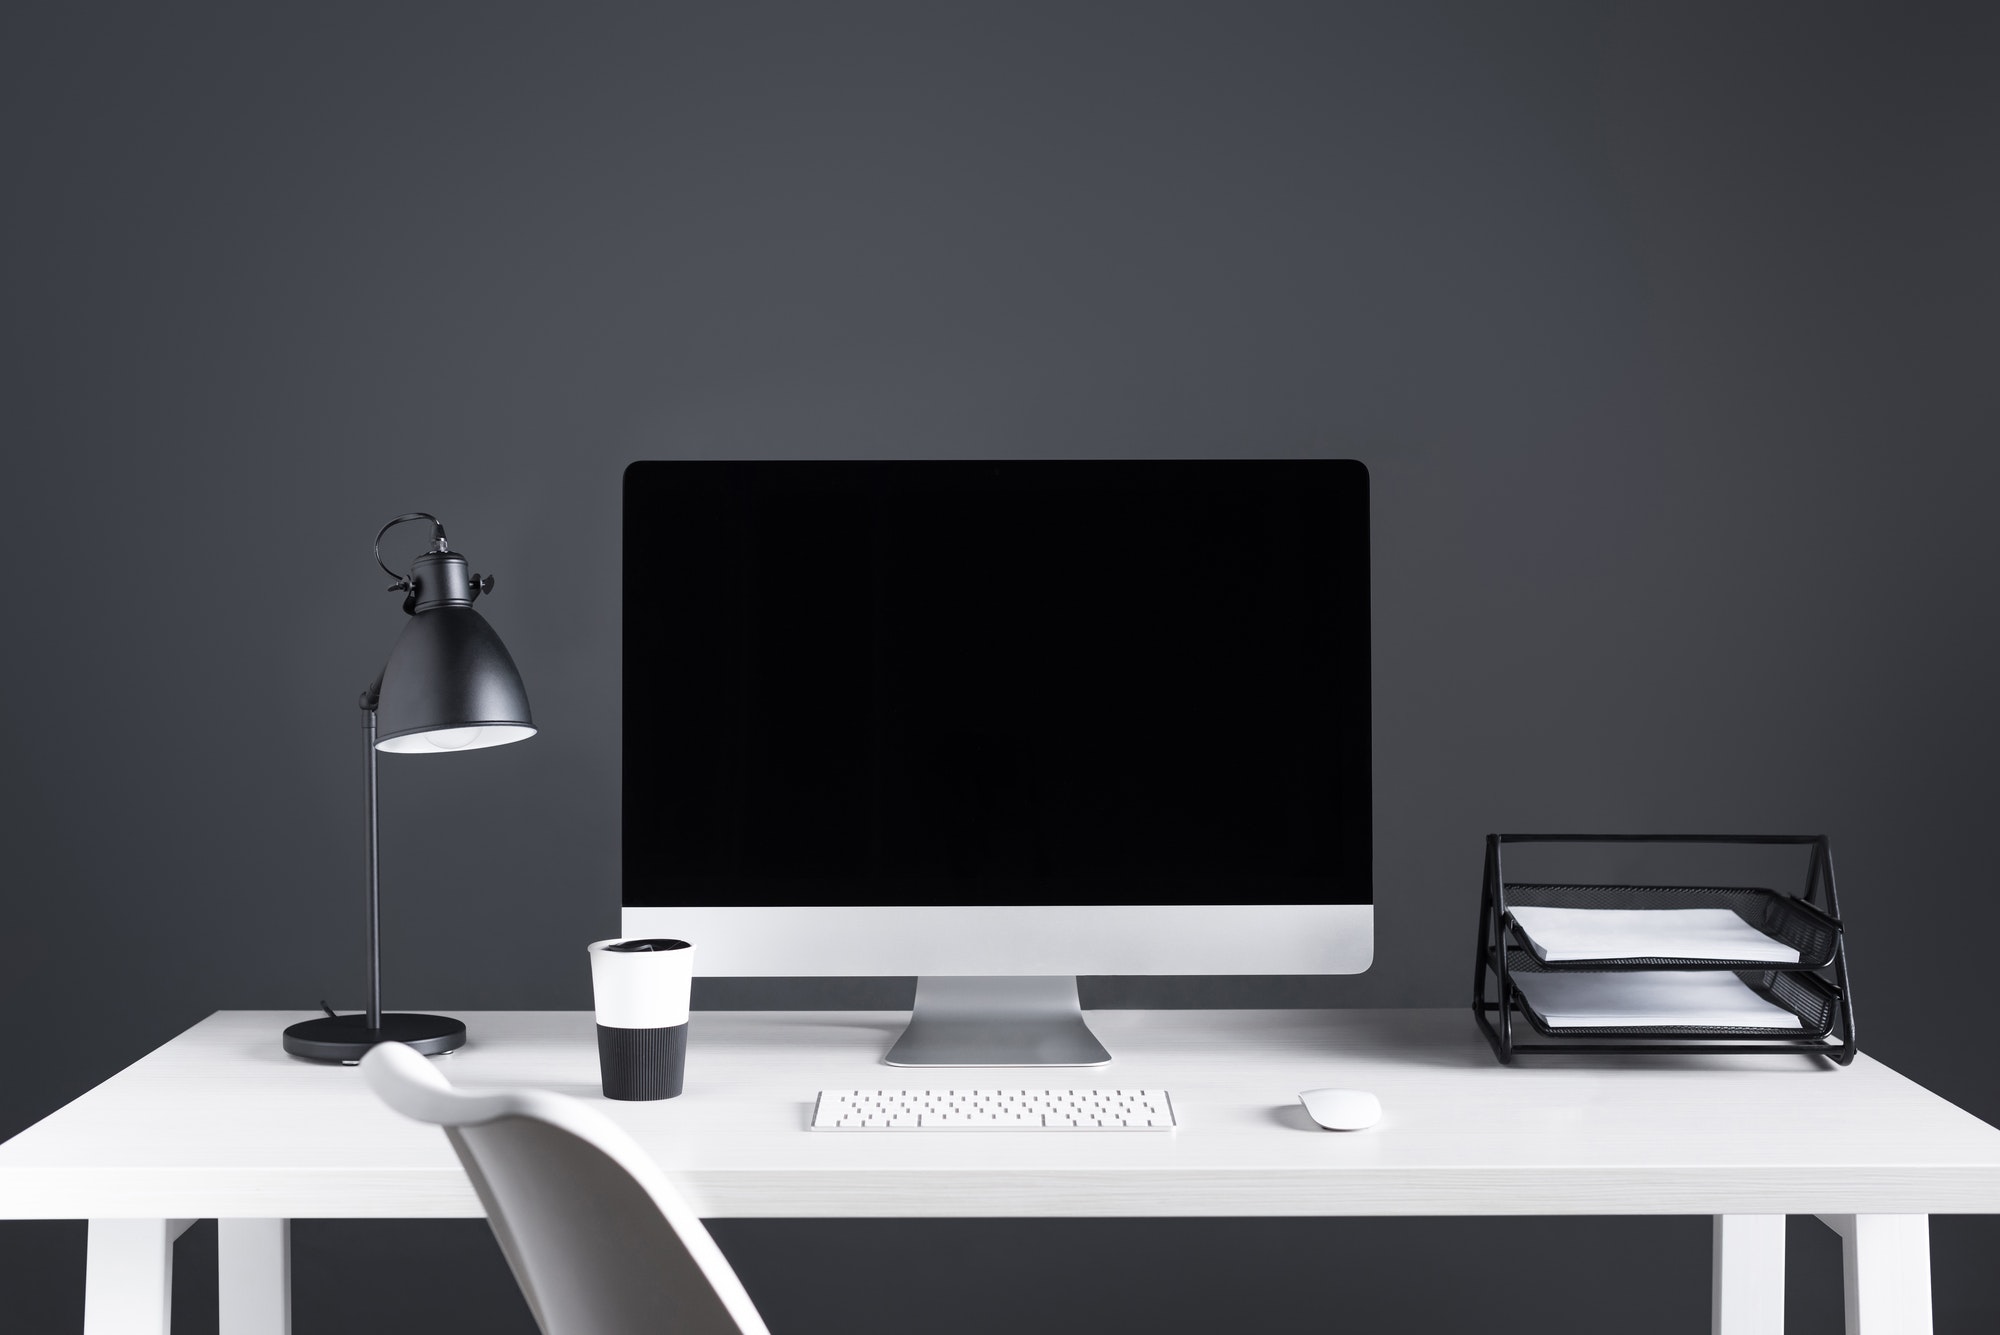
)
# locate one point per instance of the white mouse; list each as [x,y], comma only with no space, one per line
[1342,1109]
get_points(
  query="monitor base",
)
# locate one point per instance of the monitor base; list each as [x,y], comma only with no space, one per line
[1033,1021]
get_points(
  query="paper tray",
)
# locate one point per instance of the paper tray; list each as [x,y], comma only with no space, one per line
[1799,924]
[1812,998]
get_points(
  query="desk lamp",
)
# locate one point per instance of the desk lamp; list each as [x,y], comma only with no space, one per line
[449,685]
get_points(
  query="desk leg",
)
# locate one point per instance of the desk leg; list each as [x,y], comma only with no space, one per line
[128,1282]
[1887,1261]
[253,1260]
[1748,1280]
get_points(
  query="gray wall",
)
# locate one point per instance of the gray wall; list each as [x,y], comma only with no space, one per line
[1665,329]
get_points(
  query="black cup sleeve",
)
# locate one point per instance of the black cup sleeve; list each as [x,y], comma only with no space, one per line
[640,1064]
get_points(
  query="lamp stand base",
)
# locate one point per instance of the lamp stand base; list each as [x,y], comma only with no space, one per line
[347,1038]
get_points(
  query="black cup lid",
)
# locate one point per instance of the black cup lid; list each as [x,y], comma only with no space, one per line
[649,943]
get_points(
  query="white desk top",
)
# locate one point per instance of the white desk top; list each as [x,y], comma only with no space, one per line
[221,1123]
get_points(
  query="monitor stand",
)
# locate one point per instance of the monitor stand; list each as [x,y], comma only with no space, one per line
[997,1022]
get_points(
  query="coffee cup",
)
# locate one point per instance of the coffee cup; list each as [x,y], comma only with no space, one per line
[641,987]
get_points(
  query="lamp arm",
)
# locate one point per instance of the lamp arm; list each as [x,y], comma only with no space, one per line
[369,698]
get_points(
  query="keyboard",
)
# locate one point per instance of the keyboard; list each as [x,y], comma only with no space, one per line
[993,1110]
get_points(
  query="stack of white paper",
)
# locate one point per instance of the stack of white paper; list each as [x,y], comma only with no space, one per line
[1613,934]
[1648,999]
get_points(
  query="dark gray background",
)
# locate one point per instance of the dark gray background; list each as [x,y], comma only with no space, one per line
[1666,330]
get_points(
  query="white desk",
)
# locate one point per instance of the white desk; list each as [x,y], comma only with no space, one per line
[221,1124]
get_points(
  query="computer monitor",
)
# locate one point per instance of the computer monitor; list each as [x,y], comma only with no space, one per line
[997,724]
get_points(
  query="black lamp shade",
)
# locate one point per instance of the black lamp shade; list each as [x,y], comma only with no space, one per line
[450,685]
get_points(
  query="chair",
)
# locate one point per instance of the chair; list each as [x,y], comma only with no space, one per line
[599,1241]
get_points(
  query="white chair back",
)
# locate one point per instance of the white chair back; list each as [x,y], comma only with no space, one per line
[598,1239]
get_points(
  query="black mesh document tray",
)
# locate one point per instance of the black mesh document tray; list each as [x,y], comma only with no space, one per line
[1806,995]
[1797,923]
[1815,988]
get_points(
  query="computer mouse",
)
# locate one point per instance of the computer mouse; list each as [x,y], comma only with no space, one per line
[1342,1109]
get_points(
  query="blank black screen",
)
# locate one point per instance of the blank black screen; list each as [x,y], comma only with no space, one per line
[1056,682]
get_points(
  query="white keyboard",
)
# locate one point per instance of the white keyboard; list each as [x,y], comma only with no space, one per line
[993,1110]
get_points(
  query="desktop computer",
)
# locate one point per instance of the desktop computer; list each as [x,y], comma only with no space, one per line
[998,724]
